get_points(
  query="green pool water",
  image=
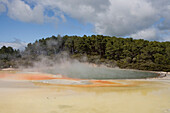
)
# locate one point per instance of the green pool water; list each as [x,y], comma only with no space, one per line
[101,73]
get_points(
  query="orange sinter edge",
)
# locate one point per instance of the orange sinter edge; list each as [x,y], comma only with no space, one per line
[39,76]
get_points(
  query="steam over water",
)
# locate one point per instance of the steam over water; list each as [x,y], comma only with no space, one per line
[105,73]
[48,93]
[75,69]
[89,72]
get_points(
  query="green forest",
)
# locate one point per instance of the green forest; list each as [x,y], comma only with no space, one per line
[111,51]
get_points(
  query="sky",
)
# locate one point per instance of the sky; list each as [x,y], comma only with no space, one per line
[24,21]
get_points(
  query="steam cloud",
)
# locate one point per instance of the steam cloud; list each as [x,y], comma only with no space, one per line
[63,65]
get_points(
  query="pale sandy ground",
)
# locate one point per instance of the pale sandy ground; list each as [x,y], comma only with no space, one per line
[147,96]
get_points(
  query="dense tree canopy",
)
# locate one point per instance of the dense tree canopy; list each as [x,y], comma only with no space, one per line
[8,56]
[123,52]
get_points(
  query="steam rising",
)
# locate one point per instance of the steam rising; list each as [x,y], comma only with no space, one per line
[67,67]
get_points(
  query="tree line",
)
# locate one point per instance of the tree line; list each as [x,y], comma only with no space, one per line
[111,51]
[8,57]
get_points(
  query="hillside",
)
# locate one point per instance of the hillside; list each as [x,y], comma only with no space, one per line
[111,51]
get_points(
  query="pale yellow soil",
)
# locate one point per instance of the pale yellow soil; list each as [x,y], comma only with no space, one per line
[23,96]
